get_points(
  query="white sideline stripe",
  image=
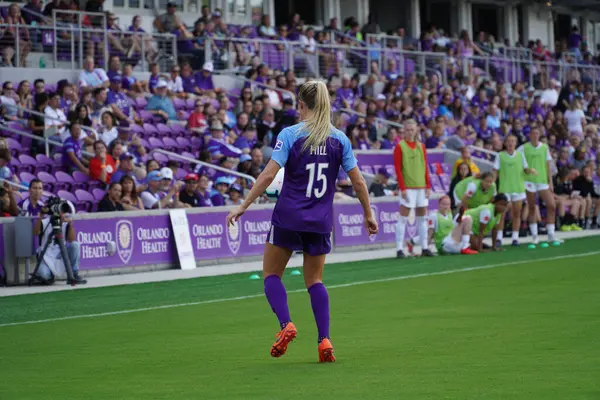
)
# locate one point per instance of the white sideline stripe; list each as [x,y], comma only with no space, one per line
[343,285]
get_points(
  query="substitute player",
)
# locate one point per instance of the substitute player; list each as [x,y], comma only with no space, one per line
[450,237]
[312,153]
[473,191]
[410,160]
[511,167]
[485,220]
[539,183]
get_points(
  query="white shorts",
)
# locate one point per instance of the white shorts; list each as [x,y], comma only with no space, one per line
[516,196]
[416,199]
[536,187]
[450,246]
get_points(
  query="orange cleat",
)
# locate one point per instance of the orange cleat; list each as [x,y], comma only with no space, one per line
[468,251]
[284,337]
[326,351]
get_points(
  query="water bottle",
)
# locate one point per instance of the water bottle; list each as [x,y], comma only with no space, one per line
[42,62]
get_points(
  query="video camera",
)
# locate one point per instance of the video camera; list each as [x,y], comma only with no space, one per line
[56,206]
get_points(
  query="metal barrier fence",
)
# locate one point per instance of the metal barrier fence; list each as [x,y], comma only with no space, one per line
[71,42]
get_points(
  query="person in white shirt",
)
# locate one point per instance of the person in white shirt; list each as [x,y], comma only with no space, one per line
[574,117]
[55,117]
[309,46]
[550,95]
[8,100]
[92,78]
[175,84]
[108,131]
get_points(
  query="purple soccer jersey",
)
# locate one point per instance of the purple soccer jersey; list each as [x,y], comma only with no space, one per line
[306,200]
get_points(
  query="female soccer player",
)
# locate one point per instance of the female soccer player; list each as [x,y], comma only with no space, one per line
[485,219]
[410,161]
[450,237]
[512,167]
[538,158]
[474,192]
[312,153]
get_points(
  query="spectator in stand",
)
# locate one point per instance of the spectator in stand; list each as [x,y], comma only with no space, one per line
[574,42]
[36,122]
[160,104]
[112,199]
[463,172]
[168,22]
[35,6]
[584,184]
[218,195]
[247,140]
[9,39]
[92,78]
[265,29]
[131,86]
[380,187]
[189,193]
[9,101]
[102,166]
[31,206]
[345,95]
[72,158]
[5,170]
[99,105]
[154,77]
[205,15]
[257,159]
[197,119]
[125,168]
[203,78]
[114,67]
[108,130]
[120,102]
[129,195]
[154,198]
[575,117]
[372,26]
[25,98]
[139,36]
[465,157]
[176,84]
[55,117]
[8,205]
[235,195]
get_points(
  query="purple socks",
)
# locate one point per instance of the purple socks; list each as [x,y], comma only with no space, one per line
[277,298]
[319,300]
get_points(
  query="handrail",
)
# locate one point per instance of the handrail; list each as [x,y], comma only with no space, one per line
[25,188]
[264,85]
[205,164]
[381,120]
[39,139]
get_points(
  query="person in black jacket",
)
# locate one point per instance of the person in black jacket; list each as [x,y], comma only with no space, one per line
[584,183]
[112,200]
[462,172]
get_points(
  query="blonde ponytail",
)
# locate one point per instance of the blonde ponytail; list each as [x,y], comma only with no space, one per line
[315,96]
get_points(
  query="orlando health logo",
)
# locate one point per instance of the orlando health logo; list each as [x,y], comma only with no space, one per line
[234,236]
[124,235]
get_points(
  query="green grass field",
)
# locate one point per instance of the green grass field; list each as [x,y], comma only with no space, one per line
[527,327]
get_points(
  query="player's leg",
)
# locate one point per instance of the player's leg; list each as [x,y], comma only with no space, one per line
[596,222]
[406,204]
[588,211]
[316,247]
[278,251]
[531,203]
[421,204]
[461,234]
[516,209]
[548,198]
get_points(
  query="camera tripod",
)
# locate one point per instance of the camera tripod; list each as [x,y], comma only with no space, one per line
[56,236]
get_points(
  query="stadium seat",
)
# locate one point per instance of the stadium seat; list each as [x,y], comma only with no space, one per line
[26,177]
[64,181]
[28,163]
[85,199]
[48,180]
[44,163]
[98,194]
[80,180]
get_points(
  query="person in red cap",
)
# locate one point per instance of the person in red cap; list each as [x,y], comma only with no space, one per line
[189,195]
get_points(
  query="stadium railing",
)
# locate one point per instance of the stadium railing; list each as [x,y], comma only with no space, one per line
[253,84]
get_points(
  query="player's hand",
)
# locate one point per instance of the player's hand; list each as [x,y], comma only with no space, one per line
[235,215]
[371,225]
[427,193]
[532,171]
[404,194]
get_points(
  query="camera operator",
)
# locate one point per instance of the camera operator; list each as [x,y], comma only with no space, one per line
[32,206]
[8,205]
[52,264]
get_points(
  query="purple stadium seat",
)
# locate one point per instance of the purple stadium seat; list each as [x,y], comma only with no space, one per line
[181,173]
[14,146]
[44,163]
[28,163]
[146,116]
[140,103]
[178,130]
[185,115]
[150,130]
[136,129]
[197,143]
[184,143]
[85,199]
[145,143]
[64,181]
[65,195]
[48,180]
[155,143]
[26,177]
[171,145]
[24,195]
[179,104]
[190,104]
[98,194]
[163,130]
[95,185]
[81,180]
[160,158]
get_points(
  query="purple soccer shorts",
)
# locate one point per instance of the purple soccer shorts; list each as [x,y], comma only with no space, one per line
[314,244]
